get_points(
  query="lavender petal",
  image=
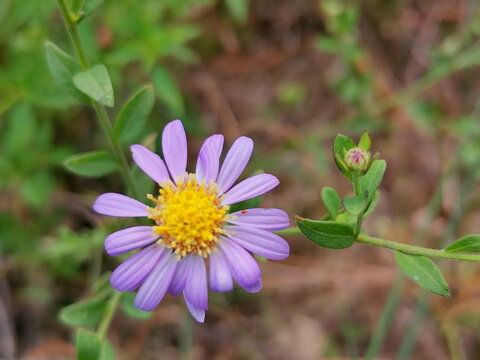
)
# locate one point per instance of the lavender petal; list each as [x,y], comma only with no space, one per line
[243,267]
[249,188]
[150,163]
[114,204]
[235,161]
[266,219]
[174,145]
[197,313]
[208,160]
[220,277]
[260,242]
[177,285]
[125,240]
[196,287]
[155,286]
[254,288]
[131,273]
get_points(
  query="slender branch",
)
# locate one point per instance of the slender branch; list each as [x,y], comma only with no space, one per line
[72,30]
[108,315]
[392,245]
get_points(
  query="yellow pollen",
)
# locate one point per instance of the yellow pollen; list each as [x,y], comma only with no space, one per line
[189,216]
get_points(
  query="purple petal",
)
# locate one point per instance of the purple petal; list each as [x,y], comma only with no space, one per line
[254,288]
[197,313]
[174,145]
[179,279]
[220,277]
[196,287]
[260,242]
[243,266]
[150,163]
[131,273]
[114,204]
[266,219]
[249,188]
[208,160]
[155,286]
[125,240]
[235,162]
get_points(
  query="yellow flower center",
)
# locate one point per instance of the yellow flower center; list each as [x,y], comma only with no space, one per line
[189,216]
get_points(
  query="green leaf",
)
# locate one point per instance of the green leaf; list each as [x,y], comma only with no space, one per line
[63,68]
[469,243]
[327,233]
[133,115]
[89,7]
[246,204]
[96,83]
[372,179]
[423,271]
[107,352]
[85,313]
[238,9]
[355,204]
[373,204]
[365,141]
[77,6]
[332,201]
[88,345]
[96,163]
[168,91]
[130,310]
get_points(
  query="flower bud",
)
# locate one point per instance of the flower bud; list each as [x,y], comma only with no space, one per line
[357,159]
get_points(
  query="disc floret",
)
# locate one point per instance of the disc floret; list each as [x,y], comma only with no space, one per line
[189,216]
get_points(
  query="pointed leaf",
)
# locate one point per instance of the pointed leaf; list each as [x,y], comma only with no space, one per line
[355,204]
[372,179]
[107,351]
[365,141]
[89,7]
[469,243]
[96,83]
[373,204]
[88,345]
[332,201]
[327,233]
[133,115]
[85,313]
[423,271]
[63,68]
[342,142]
[96,163]
[168,91]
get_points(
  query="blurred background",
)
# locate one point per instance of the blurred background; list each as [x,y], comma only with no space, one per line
[291,75]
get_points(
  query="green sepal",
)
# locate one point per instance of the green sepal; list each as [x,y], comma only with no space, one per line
[469,243]
[328,234]
[365,141]
[423,271]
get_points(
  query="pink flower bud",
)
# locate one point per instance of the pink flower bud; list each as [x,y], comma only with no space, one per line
[357,159]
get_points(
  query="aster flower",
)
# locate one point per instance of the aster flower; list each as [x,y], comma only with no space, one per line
[192,224]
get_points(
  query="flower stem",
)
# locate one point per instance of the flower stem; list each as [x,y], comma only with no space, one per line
[108,315]
[392,245]
[72,30]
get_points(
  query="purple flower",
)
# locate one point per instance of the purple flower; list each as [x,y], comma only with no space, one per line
[192,224]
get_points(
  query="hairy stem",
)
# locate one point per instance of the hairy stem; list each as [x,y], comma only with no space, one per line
[392,245]
[107,127]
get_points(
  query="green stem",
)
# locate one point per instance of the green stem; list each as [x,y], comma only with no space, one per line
[72,30]
[356,188]
[392,245]
[417,250]
[108,315]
